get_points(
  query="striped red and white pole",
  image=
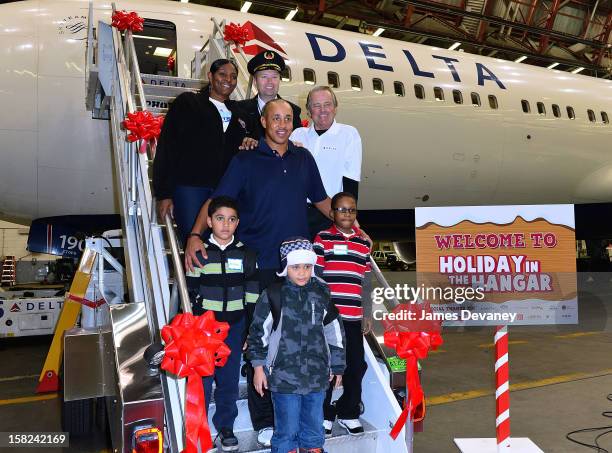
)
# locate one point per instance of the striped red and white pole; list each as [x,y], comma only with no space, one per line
[502,389]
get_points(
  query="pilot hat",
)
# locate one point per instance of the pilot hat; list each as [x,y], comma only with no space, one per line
[268,59]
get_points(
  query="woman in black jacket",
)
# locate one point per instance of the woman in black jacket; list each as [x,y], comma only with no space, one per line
[201,133]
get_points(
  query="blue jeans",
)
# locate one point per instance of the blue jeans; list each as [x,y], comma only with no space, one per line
[187,203]
[226,378]
[298,421]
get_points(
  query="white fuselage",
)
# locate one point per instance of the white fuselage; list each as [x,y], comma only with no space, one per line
[56,160]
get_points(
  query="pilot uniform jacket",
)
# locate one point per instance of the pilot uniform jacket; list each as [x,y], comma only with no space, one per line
[226,284]
[307,344]
[251,107]
[193,150]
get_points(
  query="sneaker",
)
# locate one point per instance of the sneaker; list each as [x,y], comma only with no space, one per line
[229,442]
[353,426]
[327,426]
[264,436]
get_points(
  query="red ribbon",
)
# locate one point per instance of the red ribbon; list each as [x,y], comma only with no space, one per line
[305,123]
[143,125]
[194,347]
[122,20]
[411,346]
[171,62]
[237,33]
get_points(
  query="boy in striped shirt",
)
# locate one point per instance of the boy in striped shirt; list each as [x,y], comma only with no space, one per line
[343,261]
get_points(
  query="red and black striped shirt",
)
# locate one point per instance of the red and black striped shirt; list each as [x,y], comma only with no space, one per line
[342,261]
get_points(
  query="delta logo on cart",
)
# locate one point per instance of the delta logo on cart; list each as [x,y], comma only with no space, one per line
[521,259]
[15,308]
[259,41]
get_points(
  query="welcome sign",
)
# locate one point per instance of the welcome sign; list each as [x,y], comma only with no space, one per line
[511,264]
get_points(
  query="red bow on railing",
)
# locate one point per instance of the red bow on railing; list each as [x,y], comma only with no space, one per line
[194,347]
[143,125]
[170,63]
[411,346]
[237,33]
[305,123]
[122,20]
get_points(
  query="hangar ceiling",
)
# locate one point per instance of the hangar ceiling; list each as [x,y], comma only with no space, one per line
[569,35]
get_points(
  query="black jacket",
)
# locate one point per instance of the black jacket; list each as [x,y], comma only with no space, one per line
[251,107]
[193,150]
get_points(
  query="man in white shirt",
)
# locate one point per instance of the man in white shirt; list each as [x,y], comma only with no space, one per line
[336,148]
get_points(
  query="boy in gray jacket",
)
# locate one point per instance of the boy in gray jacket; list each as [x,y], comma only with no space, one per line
[296,346]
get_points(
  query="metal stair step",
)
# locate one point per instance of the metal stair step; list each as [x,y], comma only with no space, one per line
[165,91]
[152,79]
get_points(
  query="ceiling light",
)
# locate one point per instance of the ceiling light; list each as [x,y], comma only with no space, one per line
[154,38]
[162,52]
[552,66]
[577,70]
[245,7]
[519,59]
[454,46]
[184,1]
[378,32]
[291,14]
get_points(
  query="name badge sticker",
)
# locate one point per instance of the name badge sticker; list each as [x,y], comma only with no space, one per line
[234,264]
[341,249]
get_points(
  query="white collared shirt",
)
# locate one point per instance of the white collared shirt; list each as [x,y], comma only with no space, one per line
[337,153]
[260,104]
[222,247]
[226,114]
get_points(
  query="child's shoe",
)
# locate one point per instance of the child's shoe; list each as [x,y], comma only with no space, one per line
[353,426]
[327,426]
[264,436]
[229,442]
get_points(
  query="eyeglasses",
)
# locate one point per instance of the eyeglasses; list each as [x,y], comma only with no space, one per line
[346,210]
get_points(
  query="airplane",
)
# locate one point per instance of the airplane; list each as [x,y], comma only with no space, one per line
[439,127]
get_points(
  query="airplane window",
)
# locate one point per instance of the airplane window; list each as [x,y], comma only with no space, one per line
[378,86]
[398,87]
[457,97]
[286,74]
[570,113]
[591,114]
[438,93]
[155,45]
[604,118]
[356,82]
[419,91]
[309,77]
[556,111]
[476,100]
[525,105]
[493,102]
[541,108]
[333,80]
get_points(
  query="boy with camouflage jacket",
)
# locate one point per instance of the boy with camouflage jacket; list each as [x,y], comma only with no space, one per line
[296,355]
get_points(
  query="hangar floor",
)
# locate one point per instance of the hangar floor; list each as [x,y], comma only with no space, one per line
[560,377]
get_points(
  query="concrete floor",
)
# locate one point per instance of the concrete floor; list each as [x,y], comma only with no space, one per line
[562,376]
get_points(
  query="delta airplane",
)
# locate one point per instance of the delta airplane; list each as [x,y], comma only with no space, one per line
[439,127]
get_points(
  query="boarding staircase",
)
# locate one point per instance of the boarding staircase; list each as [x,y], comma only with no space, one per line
[153,259]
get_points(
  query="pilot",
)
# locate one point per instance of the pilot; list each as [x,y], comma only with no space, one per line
[266,68]
[336,148]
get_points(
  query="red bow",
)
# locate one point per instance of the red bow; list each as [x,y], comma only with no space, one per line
[143,125]
[170,63]
[122,20]
[412,346]
[194,347]
[237,33]
[305,123]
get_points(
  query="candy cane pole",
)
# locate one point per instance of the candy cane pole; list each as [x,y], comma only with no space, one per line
[502,389]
